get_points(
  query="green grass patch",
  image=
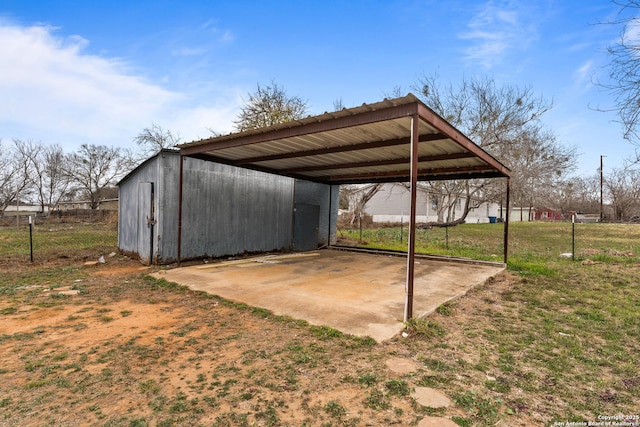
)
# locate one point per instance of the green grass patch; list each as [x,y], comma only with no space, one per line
[325,332]
[531,244]
[482,410]
[377,400]
[8,310]
[424,328]
[397,387]
[335,409]
[368,380]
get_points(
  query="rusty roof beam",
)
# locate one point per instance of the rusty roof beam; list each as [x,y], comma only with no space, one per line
[429,116]
[464,176]
[339,149]
[421,172]
[298,128]
[446,177]
[386,162]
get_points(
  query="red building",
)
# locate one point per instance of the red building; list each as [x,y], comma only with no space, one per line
[548,214]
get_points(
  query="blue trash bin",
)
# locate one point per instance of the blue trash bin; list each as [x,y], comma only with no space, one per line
[493,219]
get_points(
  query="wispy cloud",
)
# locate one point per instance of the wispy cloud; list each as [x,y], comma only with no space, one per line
[495,30]
[189,41]
[227,37]
[584,74]
[221,35]
[52,90]
[189,51]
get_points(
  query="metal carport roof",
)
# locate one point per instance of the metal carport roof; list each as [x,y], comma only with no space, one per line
[395,140]
[365,144]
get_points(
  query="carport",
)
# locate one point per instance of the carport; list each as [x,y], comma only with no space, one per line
[395,140]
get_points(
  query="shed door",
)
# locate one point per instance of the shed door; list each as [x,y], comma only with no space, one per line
[146,222]
[306,221]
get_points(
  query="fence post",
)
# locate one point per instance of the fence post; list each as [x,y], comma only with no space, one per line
[573,237]
[446,236]
[31,238]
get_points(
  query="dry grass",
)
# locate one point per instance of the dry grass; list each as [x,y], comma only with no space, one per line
[550,341]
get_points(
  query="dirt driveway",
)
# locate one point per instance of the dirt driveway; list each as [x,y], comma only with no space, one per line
[357,293]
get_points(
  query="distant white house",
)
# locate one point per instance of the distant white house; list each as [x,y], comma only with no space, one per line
[15,210]
[105,204]
[517,214]
[392,204]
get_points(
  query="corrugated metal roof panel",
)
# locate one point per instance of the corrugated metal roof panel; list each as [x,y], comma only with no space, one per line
[371,141]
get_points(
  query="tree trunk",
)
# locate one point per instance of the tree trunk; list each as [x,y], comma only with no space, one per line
[362,200]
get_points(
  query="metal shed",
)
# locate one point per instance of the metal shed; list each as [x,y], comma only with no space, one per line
[399,140]
[223,210]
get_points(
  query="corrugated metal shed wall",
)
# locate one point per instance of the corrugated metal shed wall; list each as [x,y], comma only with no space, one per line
[229,210]
[167,199]
[128,206]
[226,211]
[326,197]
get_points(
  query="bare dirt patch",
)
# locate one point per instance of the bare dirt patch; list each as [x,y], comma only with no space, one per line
[120,271]
[128,349]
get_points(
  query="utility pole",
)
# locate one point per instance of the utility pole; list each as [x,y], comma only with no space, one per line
[601,186]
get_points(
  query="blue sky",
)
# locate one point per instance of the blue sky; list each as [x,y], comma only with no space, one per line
[98,72]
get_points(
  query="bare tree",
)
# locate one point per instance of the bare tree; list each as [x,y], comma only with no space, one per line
[14,173]
[155,138]
[269,105]
[359,196]
[338,104]
[623,191]
[492,116]
[579,194]
[624,70]
[505,121]
[95,168]
[395,92]
[447,199]
[49,180]
[539,165]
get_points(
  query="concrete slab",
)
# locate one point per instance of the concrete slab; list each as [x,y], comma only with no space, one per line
[357,293]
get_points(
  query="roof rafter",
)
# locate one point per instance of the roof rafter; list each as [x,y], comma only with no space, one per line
[453,173]
[386,162]
[339,149]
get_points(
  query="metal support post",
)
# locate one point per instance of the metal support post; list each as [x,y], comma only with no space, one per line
[506,223]
[408,308]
